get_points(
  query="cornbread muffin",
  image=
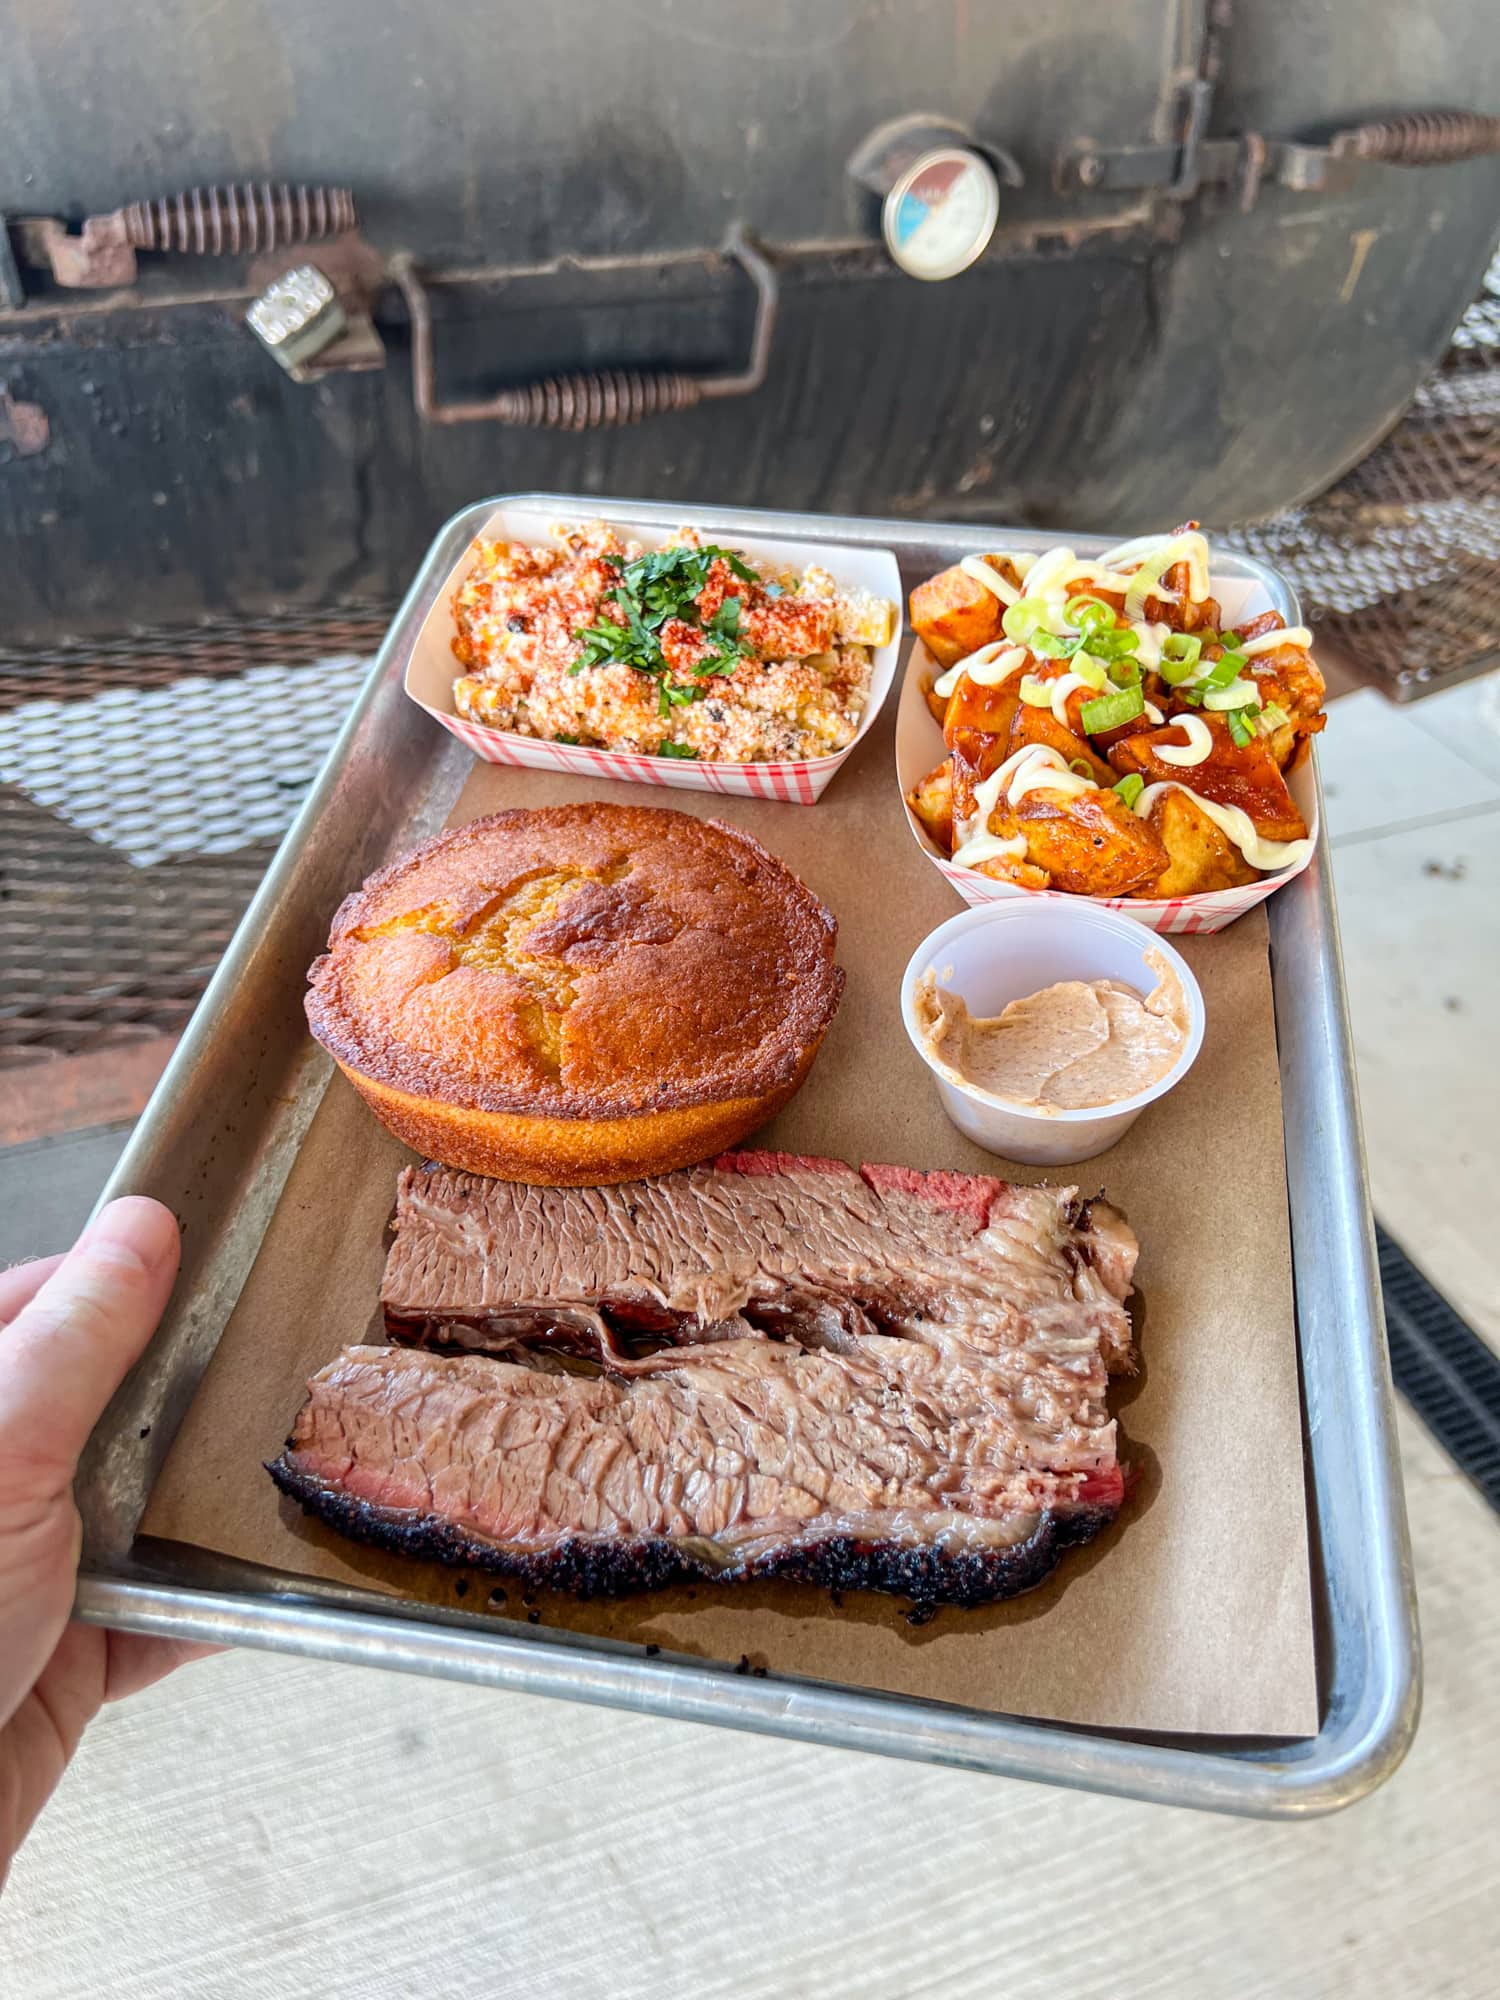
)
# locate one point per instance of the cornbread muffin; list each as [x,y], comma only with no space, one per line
[578,994]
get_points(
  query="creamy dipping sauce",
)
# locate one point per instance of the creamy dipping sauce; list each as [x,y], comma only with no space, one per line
[1076,1046]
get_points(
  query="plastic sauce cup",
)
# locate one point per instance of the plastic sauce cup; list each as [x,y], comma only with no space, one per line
[999,952]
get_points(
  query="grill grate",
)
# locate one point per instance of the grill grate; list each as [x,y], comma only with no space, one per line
[1399,563]
[1447,1373]
[147,782]
[77,668]
[94,951]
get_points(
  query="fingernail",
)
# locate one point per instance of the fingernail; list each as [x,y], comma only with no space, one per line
[138,1225]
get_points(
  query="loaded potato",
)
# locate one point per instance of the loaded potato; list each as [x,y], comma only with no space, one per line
[1106,734]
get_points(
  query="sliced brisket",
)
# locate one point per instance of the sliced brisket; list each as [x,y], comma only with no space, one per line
[876,1378]
[773,1242]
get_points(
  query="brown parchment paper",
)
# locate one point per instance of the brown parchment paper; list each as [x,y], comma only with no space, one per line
[1192,1613]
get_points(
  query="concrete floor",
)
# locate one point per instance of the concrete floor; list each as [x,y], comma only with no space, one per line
[50,1185]
[262,1827]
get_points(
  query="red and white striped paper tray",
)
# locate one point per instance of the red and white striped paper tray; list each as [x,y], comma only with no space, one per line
[432,668]
[919,748]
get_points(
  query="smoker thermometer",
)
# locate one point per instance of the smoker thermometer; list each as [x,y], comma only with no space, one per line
[937,187]
[941,212]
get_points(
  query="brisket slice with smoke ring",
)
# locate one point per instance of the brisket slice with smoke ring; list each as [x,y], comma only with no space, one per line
[772,1241]
[874,1379]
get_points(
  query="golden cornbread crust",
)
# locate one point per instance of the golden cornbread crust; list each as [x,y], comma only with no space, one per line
[580,965]
[570,1152]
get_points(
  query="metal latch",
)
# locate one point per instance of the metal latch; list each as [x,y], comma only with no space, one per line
[1247,162]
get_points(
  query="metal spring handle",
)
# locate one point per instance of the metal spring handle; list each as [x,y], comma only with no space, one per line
[200,222]
[215,221]
[596,398]
[1421,139]
[590,401]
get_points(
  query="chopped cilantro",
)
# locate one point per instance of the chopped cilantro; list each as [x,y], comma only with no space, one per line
[676,750]
[560,738]
[725,628]
[671,694]
[725,623]
[665,584]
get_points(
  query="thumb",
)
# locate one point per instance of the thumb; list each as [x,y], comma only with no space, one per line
[65,1353]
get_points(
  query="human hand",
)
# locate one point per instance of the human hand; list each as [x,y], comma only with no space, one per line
[69,1329]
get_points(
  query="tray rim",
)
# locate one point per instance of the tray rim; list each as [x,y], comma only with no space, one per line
[1369,1650]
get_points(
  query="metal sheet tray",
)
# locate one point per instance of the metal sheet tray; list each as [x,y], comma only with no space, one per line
[219,1137]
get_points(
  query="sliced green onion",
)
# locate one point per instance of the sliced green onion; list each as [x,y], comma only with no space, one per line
[1241,726]
[1081,766]
[1191,696]
[1146,580]
[1035,693]
[1238,695]
[1027,616]
[1048,646]
[1088,614]
[1229,641]
[1091,673]
[1112,645]
[1130,788]
[1221,672]
[1273,717]
[1109,711]
[1125,673]
[1180,653]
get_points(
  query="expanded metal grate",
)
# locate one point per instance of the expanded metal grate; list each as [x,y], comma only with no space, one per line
[144,784]
[76,668]
[1399,563]
[95,951]
[1449,1375]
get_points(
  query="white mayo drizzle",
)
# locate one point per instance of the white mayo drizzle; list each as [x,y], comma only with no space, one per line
[1053,576]
[1149,640]
[1046,773]
[992,664]
[1096,574]
[1198,747]
[1061,689]
[982,570]
[1268,855]
[1294,635]
[1038,767]
[1049,571]
[1034,767]
[1191,548]
[990,847]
